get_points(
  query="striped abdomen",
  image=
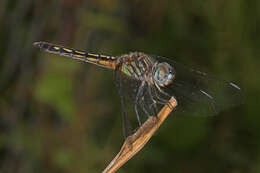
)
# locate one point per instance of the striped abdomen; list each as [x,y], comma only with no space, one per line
[98,59]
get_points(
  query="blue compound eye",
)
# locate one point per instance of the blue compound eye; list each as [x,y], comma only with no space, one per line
[164,74]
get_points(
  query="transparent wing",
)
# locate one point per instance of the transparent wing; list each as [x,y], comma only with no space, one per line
[198,93]
[136,108]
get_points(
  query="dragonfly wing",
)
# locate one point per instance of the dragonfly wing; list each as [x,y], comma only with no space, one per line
[136,102]
[126,125]
[201,94]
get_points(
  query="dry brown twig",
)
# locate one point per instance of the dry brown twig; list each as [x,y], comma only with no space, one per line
[134,143]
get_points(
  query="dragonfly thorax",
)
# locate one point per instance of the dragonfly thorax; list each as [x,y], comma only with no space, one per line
[163,74]
[136,65]
[142,67]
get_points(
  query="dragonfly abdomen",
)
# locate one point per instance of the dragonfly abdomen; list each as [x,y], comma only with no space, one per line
[98,59]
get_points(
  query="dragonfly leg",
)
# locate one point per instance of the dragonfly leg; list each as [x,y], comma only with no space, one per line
[155,110]
[161,99]
[159,89]
[141,102]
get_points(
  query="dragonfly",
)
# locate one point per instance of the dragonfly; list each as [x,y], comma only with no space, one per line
[146,82]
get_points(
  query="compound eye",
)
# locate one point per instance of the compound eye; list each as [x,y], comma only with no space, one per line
[164,74]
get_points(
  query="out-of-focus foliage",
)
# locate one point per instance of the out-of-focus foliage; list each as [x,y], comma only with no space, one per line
[59,115]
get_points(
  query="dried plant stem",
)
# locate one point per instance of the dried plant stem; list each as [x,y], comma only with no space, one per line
[134,143]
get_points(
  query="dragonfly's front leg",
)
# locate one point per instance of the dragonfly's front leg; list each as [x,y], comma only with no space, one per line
[162,100]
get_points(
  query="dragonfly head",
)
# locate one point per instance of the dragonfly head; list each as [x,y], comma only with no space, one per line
[163,74]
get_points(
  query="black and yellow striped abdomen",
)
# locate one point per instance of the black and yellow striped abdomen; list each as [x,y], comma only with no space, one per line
[98,59]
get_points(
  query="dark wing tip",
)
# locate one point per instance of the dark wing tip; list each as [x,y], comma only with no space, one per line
[234,85]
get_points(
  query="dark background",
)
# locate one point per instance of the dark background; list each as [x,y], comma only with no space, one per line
[58,115]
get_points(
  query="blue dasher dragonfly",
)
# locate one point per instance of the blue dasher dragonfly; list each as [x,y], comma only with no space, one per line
[146,82]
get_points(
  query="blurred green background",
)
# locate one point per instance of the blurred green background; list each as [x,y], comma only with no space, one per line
[61,116]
